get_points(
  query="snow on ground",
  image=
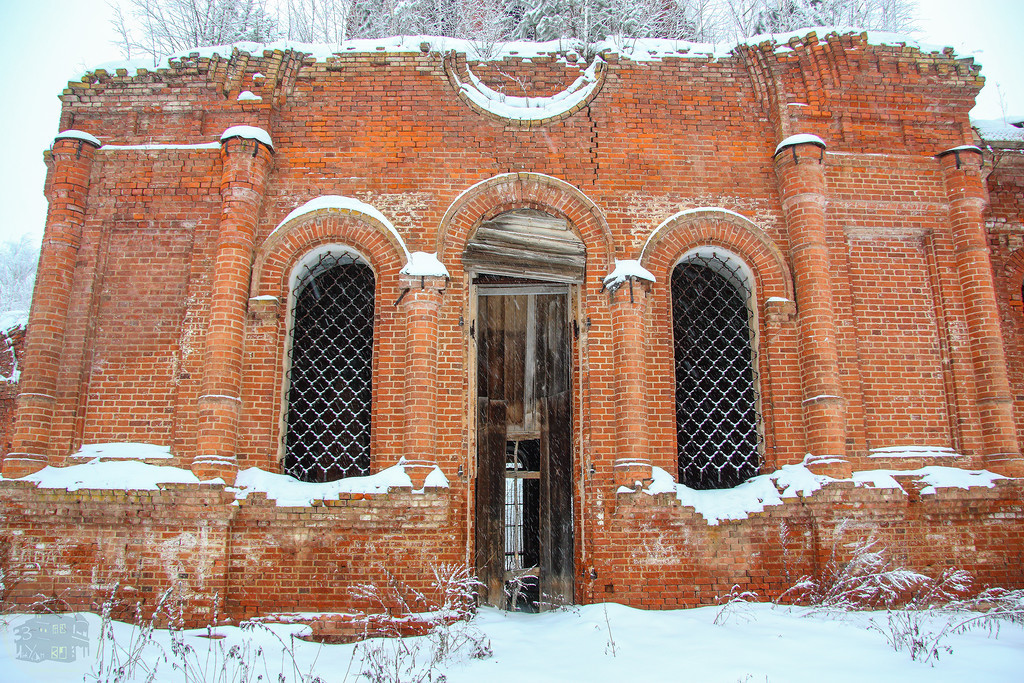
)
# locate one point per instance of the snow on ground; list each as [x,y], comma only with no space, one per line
[756,643]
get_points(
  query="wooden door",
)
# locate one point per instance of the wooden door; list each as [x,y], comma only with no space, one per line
[523,508]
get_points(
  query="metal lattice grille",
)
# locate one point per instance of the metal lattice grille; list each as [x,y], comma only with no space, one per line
[716,395]
[329,396]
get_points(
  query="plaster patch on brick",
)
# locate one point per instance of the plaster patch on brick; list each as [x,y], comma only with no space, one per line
[406,209]
[648,211]
[183,559]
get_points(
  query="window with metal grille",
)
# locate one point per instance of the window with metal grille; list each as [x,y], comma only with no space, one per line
[327,432]
[716,390]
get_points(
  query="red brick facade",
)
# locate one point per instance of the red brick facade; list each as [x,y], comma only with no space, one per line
[161,312]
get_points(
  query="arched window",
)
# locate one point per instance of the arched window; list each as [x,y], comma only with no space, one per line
[327,431]
[716,389]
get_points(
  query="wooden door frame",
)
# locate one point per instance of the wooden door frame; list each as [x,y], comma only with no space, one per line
[571,292]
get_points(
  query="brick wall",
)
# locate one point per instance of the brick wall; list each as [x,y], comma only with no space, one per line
[162,310]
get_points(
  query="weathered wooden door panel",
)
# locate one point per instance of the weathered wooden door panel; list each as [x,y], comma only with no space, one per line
[553,379]
[524,361]
[490,471]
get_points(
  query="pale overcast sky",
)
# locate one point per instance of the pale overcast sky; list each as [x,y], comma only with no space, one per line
[44,43]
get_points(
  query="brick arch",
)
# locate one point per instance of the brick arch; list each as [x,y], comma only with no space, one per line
[264,380]
[725,229]
[290,242]
[510,191]
[780,401]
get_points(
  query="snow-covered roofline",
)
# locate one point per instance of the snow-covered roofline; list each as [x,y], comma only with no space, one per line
[634,49]
[1007,132]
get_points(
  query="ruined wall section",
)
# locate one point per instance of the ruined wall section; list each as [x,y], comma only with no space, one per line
[81,549]
[658,542]
[877,98]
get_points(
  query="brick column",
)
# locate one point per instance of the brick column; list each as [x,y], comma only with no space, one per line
[247,155]
[629,304]
[68,189]
[800,170]
[421,301]
[965,187]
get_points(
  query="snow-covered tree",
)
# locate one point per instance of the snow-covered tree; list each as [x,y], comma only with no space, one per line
[18,261]
[160,27]
[157,28]
[752,17]
[593,20]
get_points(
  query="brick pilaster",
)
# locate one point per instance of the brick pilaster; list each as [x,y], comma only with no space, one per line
[965,187]
[421,301]
[629,306]
[800,170]
[71,158]
[246,165]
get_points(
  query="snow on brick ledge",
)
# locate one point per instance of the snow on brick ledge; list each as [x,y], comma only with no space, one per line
[132,475]
[248,132]
[287,491]
[422,264]
[797,481]
[78,135]
[123,451]
[118,475]
[624,270]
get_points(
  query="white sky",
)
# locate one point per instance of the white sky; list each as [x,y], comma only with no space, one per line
[43,43]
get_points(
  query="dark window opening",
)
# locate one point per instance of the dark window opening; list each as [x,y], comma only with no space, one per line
[327,433]
[716,396]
